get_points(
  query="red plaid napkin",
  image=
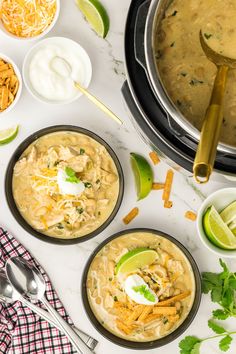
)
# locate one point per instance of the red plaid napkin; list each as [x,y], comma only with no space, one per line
[22,331]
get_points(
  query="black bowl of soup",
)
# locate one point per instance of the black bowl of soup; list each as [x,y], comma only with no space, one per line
[141,288]
[64,184]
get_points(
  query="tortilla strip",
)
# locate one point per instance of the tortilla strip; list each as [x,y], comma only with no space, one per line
[135,314]
[158,186]
[190,215]
[168,185]
[154,157]
[145,313]
[6,73]
[173,319]
[132,214]
[165,310]
[4,67]
[4,98]
[152,317]
[168,204]
[173,299]
[123,327]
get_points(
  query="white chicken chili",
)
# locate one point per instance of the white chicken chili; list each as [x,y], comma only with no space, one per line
[65,184]
[187,74]
[145,302]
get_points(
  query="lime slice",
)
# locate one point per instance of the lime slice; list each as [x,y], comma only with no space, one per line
[135,259]
[217,231]
[7,135]
[143,175]
[228,214]
[232,227]
[96,15]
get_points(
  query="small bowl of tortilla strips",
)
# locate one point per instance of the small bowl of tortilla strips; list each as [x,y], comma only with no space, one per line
[141,288]
[10,84]
[28,20]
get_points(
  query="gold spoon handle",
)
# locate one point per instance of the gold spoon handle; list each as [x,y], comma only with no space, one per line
[98,103]
[210,133]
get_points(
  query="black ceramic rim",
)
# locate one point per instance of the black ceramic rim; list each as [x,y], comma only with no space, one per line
[9,176]
[159,342]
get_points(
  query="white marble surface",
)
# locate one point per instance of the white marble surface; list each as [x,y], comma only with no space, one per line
[65,264]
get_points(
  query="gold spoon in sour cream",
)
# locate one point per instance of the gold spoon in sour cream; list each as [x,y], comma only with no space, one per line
[63,68]
[210,133]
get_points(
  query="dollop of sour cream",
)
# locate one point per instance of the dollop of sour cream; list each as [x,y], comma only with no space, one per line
[139,291]
[66,187]
[48,82]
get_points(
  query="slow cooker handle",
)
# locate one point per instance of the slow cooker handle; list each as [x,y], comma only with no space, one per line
[139,33]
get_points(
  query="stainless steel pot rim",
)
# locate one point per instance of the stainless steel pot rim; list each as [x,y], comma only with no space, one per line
[158,88]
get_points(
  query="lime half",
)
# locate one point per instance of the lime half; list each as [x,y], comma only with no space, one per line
[135,259]
[96,15]
[7,135]
[228,214]
[217,231]
[143,175]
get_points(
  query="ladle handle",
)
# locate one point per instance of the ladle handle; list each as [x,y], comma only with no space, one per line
[210,133]
[89,341]
[98,103]
[77,343]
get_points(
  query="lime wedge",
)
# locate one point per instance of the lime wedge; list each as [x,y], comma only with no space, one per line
[143,175]
[217,231]
[228,214]
[96,15]
[7,135]
[232,227]
[135,259]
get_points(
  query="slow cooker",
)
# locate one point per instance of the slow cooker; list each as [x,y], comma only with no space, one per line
[156,121]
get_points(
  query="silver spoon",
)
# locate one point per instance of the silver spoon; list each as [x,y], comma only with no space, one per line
[61,66]
[28,281]
[8,294]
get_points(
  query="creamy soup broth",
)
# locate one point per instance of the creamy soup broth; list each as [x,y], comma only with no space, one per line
[187,74]
[36,192]
[113,308]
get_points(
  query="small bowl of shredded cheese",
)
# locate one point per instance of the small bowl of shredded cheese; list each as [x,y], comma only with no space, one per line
[28,19]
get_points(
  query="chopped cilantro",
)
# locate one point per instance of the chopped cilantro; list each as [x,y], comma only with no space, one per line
[81,151]
[207,36]
[195,82]
[115,298]
[88,185]
[143,290]
[97,181]
[60,226]
[172,44]
[110,279]
[80,210]
[174,13]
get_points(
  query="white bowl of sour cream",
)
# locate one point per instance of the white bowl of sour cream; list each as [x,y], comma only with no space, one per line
[47,85]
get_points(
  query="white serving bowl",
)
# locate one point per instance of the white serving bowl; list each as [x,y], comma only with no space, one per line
[220,199]
[41,35]
[18,74]
[85,62]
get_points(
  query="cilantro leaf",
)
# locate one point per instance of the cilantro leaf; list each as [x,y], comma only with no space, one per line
[224,344]
[143,290]
[216,294]
[72,178]
[196,348]
[232,283]
[220,314]
[228,297]
[188,343]
[215,327]
[70,172]
[213,278]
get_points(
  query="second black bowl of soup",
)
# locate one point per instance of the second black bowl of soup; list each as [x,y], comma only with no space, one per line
[64,184]
[141,288]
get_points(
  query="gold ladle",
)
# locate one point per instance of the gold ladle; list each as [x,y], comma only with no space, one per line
[210,133]
[63,68]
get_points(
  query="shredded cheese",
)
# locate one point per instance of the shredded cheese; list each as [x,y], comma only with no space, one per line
[27,18]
